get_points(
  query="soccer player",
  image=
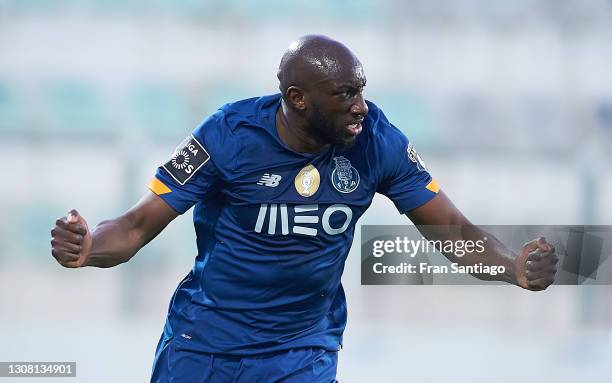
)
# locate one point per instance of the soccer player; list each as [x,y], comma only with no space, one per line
[278,183]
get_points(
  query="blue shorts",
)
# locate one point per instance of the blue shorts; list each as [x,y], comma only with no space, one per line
[308,365]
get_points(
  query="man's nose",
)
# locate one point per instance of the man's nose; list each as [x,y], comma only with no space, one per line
[359,107]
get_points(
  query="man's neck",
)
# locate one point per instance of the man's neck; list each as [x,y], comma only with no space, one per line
[293,131]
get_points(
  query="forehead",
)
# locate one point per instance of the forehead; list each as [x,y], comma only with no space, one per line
[346,76]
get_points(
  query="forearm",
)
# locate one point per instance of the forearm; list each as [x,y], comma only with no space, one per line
[489,251]
[533,268]
[495,254]
[114,242]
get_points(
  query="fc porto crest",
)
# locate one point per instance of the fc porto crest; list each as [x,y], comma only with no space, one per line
[345,177]
[307,181]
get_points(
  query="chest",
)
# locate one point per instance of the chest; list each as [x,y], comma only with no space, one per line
[284,196]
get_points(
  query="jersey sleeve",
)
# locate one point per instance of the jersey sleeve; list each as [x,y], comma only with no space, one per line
[195,170]
[403,176]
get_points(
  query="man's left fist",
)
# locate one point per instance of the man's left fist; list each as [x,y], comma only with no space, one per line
[536,266]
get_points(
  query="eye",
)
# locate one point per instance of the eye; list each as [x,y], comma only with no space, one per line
[349,93]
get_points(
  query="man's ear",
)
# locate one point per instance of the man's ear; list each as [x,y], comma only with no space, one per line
[296,98]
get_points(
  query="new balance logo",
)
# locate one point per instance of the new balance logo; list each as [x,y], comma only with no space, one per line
[306,215]
[270,180]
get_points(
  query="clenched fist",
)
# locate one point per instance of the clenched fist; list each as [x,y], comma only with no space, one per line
[71,240]
[536,266]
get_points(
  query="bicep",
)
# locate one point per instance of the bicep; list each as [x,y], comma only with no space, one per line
[440,210]
[149,216]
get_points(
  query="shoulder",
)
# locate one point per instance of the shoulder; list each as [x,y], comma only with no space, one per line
[231,120]
[232,116]
[225,133]
[380,131]
[250,111]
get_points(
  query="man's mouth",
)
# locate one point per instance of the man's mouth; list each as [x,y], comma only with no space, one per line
[354,128]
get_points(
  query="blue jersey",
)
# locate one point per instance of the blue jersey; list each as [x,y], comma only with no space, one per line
[274,226]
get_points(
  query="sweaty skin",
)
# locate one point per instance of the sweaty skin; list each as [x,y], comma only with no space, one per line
[321,82]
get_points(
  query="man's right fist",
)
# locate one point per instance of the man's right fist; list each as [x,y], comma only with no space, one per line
[71,240]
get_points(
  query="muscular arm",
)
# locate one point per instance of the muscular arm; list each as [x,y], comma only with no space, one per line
[114,241]
[533,268]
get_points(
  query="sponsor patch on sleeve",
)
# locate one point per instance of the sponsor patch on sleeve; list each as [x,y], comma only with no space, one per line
[414,157]
[188,157]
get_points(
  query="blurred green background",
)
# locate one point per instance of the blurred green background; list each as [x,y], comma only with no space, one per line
[508,102]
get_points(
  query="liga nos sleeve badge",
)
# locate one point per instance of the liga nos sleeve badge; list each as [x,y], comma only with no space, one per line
[188,157]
